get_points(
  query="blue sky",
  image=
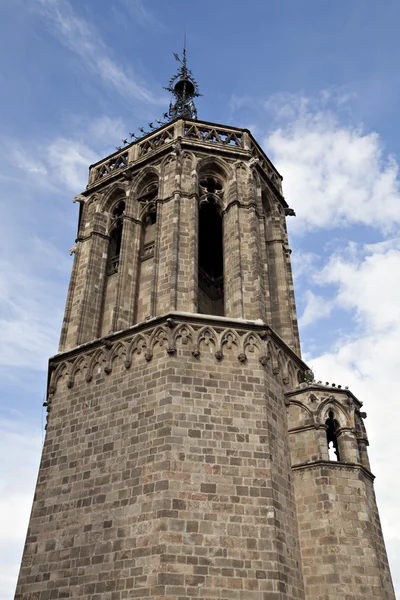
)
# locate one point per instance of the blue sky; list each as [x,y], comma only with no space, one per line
[317,82]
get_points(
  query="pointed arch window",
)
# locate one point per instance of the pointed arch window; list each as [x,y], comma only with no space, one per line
[332,426]
[115,237]
[148,198]
[149,234]
[210,298]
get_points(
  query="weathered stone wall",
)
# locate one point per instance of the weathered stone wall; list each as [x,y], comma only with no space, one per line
[342,549]
[165,472]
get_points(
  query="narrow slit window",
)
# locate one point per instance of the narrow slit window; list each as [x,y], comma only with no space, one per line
[115,238]
[331,428]
[149,233]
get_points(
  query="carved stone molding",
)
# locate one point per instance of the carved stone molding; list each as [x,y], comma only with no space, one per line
[170,332]
[334,465]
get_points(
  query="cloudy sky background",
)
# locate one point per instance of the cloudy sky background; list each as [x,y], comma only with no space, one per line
[316,81]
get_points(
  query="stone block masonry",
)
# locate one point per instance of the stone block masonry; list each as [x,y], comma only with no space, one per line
[165,472]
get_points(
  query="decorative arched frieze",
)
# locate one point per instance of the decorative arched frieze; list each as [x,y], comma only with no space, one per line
[207,337]
[137,346]
[99,358]
[169,337]
[230,339]
[292,374]
[117,351]
[60,372]
[162,337]
[185,333]
[251,344]
[79,365]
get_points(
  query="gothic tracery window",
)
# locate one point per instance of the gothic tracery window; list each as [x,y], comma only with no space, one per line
[115,237]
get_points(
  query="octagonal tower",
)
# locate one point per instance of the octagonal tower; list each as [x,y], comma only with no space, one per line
[169,468]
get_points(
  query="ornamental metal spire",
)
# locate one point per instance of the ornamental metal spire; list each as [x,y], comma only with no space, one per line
[184,87]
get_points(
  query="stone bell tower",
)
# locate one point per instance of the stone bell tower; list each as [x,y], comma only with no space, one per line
[186,452]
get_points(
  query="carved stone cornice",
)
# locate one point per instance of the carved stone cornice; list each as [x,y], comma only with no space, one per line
[326,389]
[338,465]
[168,331]
[85,238]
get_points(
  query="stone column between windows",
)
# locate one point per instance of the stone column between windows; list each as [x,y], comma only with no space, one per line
[163,257]
[95,255]
[232,262]
[129,266]
[278,284]
[188,249]
[265,270]
[250,254]
[188,235]
[175,257]
[289,277]
[69,326]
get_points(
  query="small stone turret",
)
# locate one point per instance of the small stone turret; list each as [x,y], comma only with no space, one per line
[341,541]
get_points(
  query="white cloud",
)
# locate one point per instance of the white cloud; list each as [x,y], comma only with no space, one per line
[62,163]
[69,161]
[334,174]
[21,443]
[367,283]
[30,309]
[317,307]
[105,129]
[83,39]
[303,263]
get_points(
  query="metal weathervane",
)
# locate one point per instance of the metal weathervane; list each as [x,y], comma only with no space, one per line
[184,88]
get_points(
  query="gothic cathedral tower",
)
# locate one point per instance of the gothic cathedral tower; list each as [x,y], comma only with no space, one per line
[186,453]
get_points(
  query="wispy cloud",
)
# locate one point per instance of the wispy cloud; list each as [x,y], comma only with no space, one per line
[82,38]
[31,306]
[141,14]
[317,307]
[20,441]
[61,163]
